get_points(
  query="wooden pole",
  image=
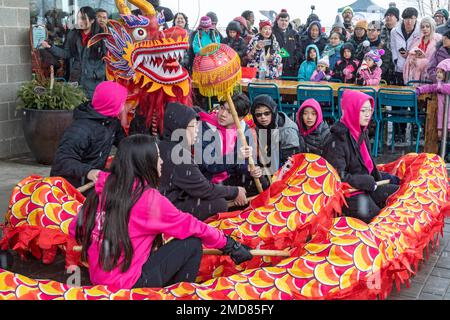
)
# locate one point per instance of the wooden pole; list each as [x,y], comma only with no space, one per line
[86,187]
[431,134]
[251,162]
[379,184]
[215,252]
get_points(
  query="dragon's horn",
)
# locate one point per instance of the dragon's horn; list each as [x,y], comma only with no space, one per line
[146,7]
[123,8]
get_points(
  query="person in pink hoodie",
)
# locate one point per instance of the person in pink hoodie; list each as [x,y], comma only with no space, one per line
[313,130]
[86,144]
[442,89]
[347,150]
[121,223]
[369,74]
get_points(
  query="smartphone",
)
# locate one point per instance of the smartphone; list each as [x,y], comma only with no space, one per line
[402,50]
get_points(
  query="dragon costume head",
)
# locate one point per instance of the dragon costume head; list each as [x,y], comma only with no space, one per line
[147,62]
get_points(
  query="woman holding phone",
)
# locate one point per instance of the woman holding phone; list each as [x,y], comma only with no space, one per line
[263,52]
[422,51]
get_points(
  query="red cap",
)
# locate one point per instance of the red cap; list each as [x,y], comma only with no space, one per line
[264,23]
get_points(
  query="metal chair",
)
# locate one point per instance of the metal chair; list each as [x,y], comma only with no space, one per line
[406,111]
[271,89]
[321,93]
[376,117]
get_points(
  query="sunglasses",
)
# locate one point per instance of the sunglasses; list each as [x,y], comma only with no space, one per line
[265,114]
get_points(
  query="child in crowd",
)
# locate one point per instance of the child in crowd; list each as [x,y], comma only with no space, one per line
[369,74]
[308,66]
[205,35]
[181,180]
[442,89]
[333,49]
[322,73]
[313,129]
[87,143]
[221,157]
[121,224]
[235,41]
[347,150]
[277,133]
[347,66]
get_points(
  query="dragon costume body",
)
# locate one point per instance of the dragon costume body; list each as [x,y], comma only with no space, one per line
[145,60]
[331,257]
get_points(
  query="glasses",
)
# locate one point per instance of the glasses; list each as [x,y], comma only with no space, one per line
[366,111]
[265,114]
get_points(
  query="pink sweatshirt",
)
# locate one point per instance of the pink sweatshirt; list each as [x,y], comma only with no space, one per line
[153,214]
[371,78]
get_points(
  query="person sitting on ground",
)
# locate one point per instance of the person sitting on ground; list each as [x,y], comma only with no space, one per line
[310,64]
[235,41]
[277,133]
[87,143]
[313,129]
[347,66]
[347,150]
[121,223]
[369,74]
[442,89]
[182,181]
[322,73]
[223,159]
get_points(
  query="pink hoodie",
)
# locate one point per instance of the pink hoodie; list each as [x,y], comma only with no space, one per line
[311,103]
[228,141]
[109,98]
[153,214]
[352,102]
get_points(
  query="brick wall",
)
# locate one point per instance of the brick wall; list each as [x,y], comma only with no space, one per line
[15,67]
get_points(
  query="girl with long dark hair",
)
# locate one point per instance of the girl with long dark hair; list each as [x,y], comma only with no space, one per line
[121,223]
[86,64]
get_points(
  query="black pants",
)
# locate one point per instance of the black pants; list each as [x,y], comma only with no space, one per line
[203,209]
[248,183]
[368,205]
[177,261]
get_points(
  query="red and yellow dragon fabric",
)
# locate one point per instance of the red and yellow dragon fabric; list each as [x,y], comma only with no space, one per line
[145,60]
[331,257]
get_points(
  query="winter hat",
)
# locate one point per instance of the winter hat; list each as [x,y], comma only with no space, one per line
[264,23]
[234,26]
[283,13]
[213,17]
[442,12]
[338,23]
[409,13]
[375,55]
[205,23]
[347,9]
[362,24]
[374,25]
[325,61]
[109,98]
[444,65]
[394,11]
[312,17]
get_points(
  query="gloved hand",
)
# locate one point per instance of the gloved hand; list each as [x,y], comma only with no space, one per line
[238,252]
[393,179]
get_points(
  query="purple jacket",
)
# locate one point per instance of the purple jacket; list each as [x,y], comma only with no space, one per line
[440,55]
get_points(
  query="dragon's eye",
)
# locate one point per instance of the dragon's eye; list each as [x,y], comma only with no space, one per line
[139,34]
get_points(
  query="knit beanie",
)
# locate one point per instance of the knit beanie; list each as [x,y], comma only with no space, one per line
[264,23]
[362,24]
[394,11]
[325,61]
[109,98]
[375,55]
[443,12]
[205,23]
[347,9]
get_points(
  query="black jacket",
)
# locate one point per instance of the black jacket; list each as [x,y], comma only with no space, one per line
[306,40]
[343,63]
[290,41]
[314,142]
[181,178]
[344,154]
[86,145]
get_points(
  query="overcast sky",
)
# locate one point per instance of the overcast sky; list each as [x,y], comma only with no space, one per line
[229,9]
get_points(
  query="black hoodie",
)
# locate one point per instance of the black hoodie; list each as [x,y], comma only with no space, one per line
[238,44]
[350,64]
[181,179]
[86,145]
